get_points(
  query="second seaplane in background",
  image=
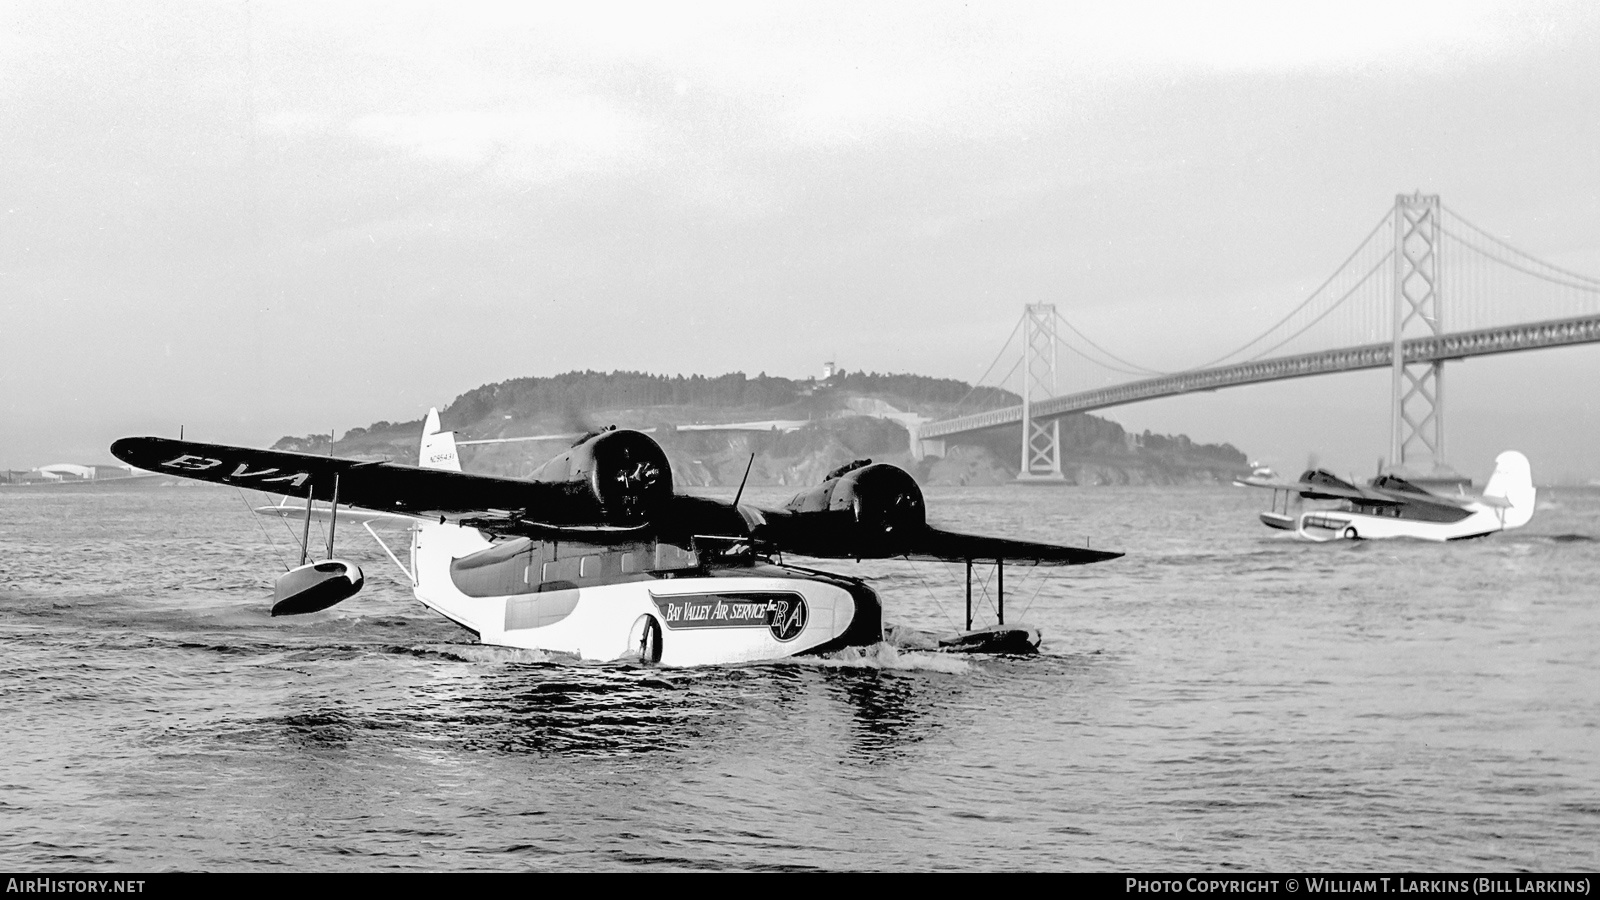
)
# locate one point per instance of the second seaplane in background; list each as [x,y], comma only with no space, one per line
[1391,507]
[596,556]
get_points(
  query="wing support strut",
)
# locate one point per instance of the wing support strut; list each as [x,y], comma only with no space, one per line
[392,558]
[333,513]
[305,536]
[314,586]
[996,638]
[1000,592]
[333,522]
[969,596]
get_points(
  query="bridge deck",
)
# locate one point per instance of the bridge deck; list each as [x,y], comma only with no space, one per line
[1457,345]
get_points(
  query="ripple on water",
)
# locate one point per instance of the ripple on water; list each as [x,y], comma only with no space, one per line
[1219,698]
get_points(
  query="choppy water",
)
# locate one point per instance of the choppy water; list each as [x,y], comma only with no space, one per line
[1223,697]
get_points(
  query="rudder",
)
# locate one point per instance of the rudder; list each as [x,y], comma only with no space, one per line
[438,449]
[1513,481]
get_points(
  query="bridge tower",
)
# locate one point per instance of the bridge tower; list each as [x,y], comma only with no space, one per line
[1041,441]
[1416,443]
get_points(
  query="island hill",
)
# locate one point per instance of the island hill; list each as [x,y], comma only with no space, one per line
[798,430]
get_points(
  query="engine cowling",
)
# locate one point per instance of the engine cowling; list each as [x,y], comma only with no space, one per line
[626,473]
[864,509]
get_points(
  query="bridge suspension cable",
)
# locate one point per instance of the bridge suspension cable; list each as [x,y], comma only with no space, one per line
[1479,297]
[1580,285]
[1301,313]
[1131,368]
[1384,222]
[1425,287]
[1376,268]
[1583,280]
[979,383]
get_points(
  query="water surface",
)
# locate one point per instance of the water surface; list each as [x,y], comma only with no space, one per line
[1223,697]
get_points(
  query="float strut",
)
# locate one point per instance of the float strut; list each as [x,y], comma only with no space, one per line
[969,596]
[1000,590]
[305,536]
[333,519]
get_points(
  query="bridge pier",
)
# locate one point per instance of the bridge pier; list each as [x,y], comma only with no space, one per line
[922,448]
[1416,427]
[1041,439]
[1041,453]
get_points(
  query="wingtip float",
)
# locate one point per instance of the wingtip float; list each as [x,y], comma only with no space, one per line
[315,586]
[597,557]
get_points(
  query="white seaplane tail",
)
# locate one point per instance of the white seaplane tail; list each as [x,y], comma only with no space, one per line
[430,571]
[438,447]
[1512,482]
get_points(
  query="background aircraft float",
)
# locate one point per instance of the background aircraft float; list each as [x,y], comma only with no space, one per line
[596,556]
[1389,506]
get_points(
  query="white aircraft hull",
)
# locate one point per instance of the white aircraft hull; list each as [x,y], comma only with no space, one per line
[1332,525]
[731,616]
[595,556]
[1394,508]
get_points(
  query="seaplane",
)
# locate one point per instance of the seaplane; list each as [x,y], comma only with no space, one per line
[596,557]
[1390,506]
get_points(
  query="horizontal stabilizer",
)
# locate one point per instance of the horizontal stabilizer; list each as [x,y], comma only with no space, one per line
[325,514]
[520,526]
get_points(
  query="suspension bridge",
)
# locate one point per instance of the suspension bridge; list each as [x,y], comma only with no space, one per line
[1425,287]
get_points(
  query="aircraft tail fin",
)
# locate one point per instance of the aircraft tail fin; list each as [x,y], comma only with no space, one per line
[438,447]
[1512,481]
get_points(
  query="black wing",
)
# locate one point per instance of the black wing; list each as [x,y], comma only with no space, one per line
[840,534]
[1324,489]
[951,546]
[573,510]
[378,486]
[877,511]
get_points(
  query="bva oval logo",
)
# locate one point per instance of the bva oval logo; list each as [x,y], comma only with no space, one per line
[788,618]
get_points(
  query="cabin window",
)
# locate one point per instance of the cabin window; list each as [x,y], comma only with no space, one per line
[672,557]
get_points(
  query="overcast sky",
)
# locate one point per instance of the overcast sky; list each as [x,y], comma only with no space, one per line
[258,219]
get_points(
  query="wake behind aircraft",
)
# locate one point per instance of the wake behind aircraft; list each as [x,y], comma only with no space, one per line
[597,557]
[1390,506]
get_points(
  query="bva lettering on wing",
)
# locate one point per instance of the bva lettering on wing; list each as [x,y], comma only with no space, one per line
[194,463]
